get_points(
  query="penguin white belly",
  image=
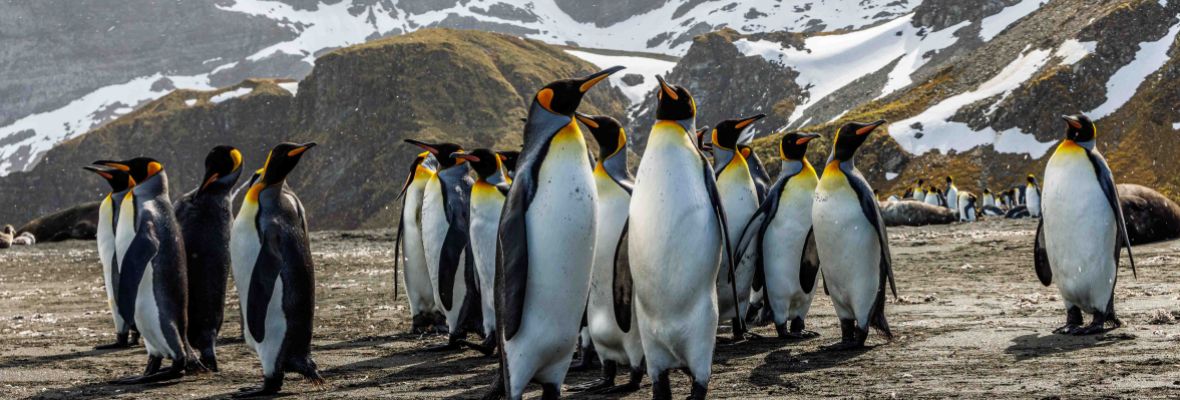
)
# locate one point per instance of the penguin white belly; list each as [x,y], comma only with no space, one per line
[560,228]
[919,195]
[989,201]
[849,252]
[783,243]
[740,200]
[244,247]
[610,342]
[674,245]
[952,198]
[419,286]
[147,317]
[1080,233]
[105,236]
[1034,199]
[486,204]
[125,229]
[434,233]
[276,331]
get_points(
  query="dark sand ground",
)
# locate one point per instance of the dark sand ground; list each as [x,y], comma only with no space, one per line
[972,321]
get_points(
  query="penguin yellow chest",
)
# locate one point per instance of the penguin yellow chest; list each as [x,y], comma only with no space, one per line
[735,185]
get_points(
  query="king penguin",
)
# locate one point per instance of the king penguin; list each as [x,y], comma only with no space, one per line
[547,231]
[205,217]
[153,285]
[781,230]
[952,193]
[446,210]
[851,240]
[108,214]
[487,201]
[610,312]
[966,207]
[1081,236]
[675,240]
[1032,196]
[917,192]
[424,311]
[274,274]
[989,200]
[739,195]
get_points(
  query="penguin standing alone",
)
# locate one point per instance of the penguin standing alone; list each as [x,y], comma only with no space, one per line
[546,243]
[419,287]
[781,230]
[205,216]
[108,214]
[152,266]
[1032,196]
[740,198]
[676,237]
[610,311]
[445,238]
[487,200]
[851,239]
[273,272]
[1081,236]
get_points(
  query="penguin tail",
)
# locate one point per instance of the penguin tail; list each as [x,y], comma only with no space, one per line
[877,316]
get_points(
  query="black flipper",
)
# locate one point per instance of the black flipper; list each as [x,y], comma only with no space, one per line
[809,265]
[397,247]
[140,253]
[621,284]
[1106,180]
[755,230]
[872,211]
[1041,256]
[262,283]
[455,244]
[715,199]
[471,314]
[448,266]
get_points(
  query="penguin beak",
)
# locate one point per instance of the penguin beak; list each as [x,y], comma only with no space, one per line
[1072,121]
[742,124]
[99,171]
[870,127]
[113,164]
[589,81]
[805,137]
[587,119]
[668,90]
[465,156]
[302,148]
[425,146]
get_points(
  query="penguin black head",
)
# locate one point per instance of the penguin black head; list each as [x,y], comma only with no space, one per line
[987,191]
[281,161]
[486,163]
[118,179]
[564,96]
[508,158]
[920,182]
[793,146]
[607,132]
[727,134]
[850,137]
[1031,179]
[441,151]
[1079,128]
[675,103]
[950,180]
[223,166]
[140,168]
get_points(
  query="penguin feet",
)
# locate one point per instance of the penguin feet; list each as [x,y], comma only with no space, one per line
[483,348]
[1073,321]
[585,362]
[1098,325]
[269,387]
[594,386]
[801,335]
[629,387]
[1067,329]
[449,346]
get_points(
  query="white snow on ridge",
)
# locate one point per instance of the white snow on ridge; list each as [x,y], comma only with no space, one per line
[647,67]
[830,62]
[328,26]
[1071,51]
[292,87]
[230,94]
[994,24]
[937,133]
[1125,82]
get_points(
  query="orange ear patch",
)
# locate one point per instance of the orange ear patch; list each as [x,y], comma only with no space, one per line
[237,157]
[154,168]
[545,98]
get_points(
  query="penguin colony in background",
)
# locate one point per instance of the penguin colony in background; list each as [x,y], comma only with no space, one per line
[166,265]
[531,250]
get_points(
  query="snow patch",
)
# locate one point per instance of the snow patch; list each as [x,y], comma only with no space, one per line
[993,25]
[645,66]
[239,92]
[1176,126]
[932,130]
[190,102]
[292,87]
[890,176]
[1123,84]
[1071,51]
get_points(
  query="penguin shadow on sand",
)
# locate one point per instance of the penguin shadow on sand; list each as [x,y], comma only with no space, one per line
[1033,345]
[31,362]
[104,390]
[781,362]
[412,366]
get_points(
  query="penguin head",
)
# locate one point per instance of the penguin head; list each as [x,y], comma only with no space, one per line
[441,152]
[950,180]
[1079,128]
[607,131]
[850,137]
[728,133]
[987,191]
[118,179]
[223,166]
[793,145]
[282,160]
[140,168]
[703,144]
[1032,179]
[486,163]
[508,159]
[675,103]
[563,96]
[920,182]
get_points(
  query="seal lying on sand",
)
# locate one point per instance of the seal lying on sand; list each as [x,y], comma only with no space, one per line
[915,213]
[1151,217]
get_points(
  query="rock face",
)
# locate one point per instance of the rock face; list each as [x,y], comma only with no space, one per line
[358,104]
